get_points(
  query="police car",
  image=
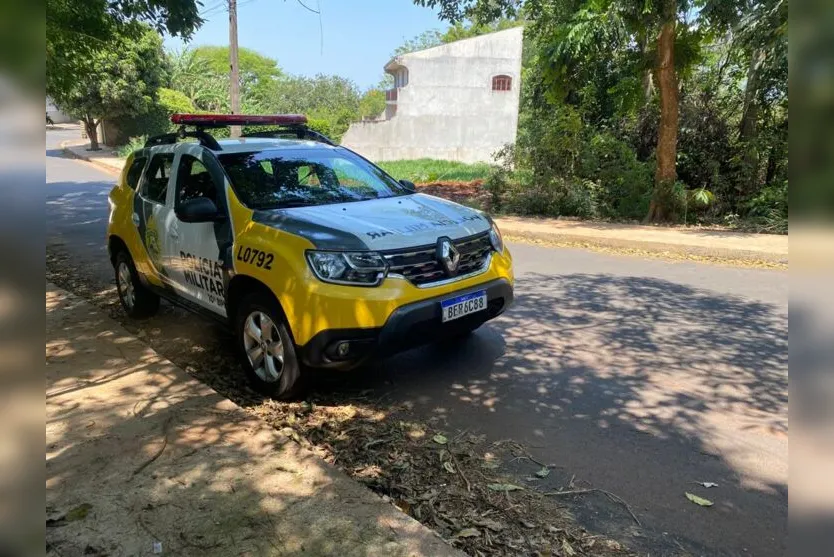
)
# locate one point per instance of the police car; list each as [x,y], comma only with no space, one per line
[312,254]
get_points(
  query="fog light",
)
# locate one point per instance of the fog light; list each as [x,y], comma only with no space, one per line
[342,349]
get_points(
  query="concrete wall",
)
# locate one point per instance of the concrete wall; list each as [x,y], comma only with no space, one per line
[57,116]
[448,109]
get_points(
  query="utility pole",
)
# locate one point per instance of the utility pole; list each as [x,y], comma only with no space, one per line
[234,74]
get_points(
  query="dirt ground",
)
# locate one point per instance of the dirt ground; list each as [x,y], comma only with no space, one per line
[456,483]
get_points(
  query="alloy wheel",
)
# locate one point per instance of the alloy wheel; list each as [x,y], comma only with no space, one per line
[263,346]
[125,285]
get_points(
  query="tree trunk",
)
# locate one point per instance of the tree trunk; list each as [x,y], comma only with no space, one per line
[662,207]
[91,127]
[748,128]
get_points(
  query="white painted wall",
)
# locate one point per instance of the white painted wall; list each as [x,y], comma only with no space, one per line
[448,109]
[55,113]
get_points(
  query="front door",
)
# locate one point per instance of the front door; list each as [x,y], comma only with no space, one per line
[193,254]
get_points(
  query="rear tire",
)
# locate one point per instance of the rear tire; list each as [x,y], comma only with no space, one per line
[137,301]
[265,347]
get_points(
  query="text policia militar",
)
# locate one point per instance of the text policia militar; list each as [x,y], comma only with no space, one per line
[205,274]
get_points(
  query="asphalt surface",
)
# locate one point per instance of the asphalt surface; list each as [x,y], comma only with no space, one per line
[640,377]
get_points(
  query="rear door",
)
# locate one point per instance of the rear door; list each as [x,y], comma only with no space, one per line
[153,209]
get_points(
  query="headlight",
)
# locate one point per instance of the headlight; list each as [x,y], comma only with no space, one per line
[364,268]
[496,239]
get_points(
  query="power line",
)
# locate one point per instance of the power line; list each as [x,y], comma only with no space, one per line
[306,7]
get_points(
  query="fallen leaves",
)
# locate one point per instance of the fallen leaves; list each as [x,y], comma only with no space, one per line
[440,439]
[699,500]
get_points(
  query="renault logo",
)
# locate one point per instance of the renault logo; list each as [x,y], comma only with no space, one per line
[448,255]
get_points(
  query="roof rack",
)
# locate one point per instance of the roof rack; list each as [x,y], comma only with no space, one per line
[286,124]
[205,139]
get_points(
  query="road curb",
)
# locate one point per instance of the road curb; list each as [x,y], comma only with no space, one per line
[66,148]
[580,241]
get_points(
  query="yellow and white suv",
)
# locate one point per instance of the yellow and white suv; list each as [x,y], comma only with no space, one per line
[314,256]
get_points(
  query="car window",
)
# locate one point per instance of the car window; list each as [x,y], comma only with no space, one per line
[135,172]
[155,185]
[194,180]
[279,178]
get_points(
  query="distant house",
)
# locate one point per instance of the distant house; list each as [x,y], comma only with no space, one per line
[457,101]
[55,113]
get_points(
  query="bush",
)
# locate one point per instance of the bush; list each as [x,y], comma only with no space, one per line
[135,143]
[521,193]
[769,209]
[157,120]
[624,184]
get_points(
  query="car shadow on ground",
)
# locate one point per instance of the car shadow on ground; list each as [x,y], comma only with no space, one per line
[635,384]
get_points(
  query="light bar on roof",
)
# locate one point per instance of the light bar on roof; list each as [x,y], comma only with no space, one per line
[222,120]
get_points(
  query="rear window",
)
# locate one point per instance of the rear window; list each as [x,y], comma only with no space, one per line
[155,184]
[135,171]
[276,179]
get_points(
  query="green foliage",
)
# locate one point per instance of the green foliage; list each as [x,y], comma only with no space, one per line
[769,208]
[432,170]
[157,120]
[624,184]
[120,80]
[257,72]
[372,104]
[426,39]
[455,32]
[134,144]
[191,76]
[77,30]
[325,98]
[590,111]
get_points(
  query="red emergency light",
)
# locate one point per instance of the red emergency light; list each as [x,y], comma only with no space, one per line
[223,120]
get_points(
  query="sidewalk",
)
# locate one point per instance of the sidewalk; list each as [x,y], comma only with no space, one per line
[766,248]
[143,459]
[107,159]
[770,248]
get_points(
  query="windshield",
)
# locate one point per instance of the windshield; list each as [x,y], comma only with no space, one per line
[275,179]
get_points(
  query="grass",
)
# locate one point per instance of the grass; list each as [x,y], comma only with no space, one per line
[431,170]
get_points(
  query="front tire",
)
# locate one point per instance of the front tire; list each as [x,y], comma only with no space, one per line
[265,347]
[137,301]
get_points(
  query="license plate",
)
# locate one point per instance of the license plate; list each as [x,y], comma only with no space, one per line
[455,308]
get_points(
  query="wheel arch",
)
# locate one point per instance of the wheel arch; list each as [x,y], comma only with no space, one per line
[242,285]
[114,245]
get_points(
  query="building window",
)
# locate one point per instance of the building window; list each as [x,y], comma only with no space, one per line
[401,77]
[502,83]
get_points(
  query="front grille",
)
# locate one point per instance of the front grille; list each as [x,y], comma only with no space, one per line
[421,267]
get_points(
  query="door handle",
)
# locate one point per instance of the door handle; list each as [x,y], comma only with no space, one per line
[135,219]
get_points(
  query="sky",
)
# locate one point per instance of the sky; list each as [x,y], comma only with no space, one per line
[356,39]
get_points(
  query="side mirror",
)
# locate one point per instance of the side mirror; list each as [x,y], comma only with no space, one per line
[409,185]
[199,209]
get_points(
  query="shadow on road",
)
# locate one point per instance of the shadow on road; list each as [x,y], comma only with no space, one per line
[635,384]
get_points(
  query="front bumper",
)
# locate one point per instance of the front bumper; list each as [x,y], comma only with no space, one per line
[408,326]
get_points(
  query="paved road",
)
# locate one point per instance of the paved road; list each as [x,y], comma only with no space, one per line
[640,377]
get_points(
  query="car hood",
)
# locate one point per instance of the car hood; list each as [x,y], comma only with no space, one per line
[378,224]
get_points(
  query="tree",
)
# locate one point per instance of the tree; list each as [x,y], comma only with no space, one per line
[76,29]
[190,76]
[574,29]
[257,72]
[328,98]
[372,103]
[120,79]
